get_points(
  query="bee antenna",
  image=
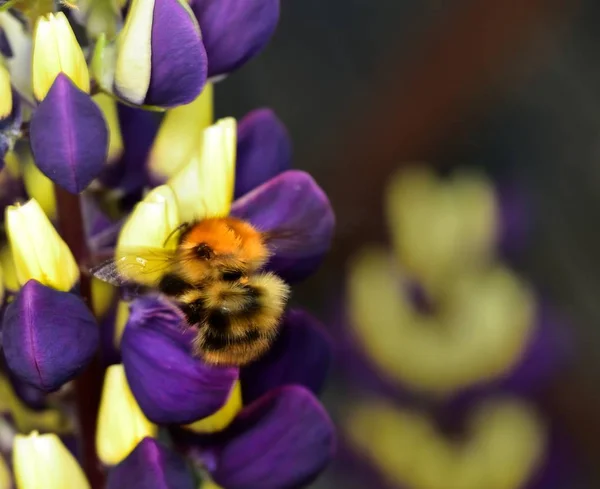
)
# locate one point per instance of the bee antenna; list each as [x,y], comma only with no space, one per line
[175,231]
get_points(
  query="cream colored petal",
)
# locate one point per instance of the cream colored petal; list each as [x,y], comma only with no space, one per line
[6,100]
[38,250]
[38,185]
[205,186]
[134,52]
[121,423]
[55,50]
[19,64]
[108,106]
[180,135]
[152,220]
[43,462]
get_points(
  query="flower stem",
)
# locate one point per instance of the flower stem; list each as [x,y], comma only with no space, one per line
[88,385]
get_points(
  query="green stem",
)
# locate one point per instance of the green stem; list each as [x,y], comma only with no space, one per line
[88,386]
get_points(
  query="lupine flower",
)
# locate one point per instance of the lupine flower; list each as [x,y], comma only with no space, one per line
[108,131]
[440,336]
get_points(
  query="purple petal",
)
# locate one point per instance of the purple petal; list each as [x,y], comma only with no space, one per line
[32,396]
[170,385]
[178,56]
[69,137]
[264,150]
[151,465]
[233,31]
[5,48]
[301,355]
[48,336]
[295,205]
[282,441]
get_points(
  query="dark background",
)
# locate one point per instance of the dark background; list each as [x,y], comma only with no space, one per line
[364,86]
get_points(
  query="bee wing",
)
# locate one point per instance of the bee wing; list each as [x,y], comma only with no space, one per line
[131,266]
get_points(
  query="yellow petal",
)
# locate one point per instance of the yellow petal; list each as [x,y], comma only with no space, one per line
[204,187]
[43,462]
[108,106]
[19,65]
[440,227]
[38,251]
[223,417]
[38,185]
[56,50]
[121,319]
[9,272]
[152,220]
[11,164]
[133,66]
[502,448]
[103,295]
[479,332]
[6,101]
[180,135]
[121,422]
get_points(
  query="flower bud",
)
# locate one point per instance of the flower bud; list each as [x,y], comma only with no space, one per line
[233,31]
[160,58]
[43,462]
[204,187]
[170,384]
[294,203]
[180,136]
[121,423]
[264,150]
[56,50]
[49,336]
[151,465]
[69,136]
[6,99]
[38,251]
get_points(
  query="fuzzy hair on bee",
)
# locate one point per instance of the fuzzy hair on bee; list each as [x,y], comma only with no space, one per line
[214,274]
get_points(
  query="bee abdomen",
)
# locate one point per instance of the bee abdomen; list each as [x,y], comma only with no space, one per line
[173,285]
[214,340]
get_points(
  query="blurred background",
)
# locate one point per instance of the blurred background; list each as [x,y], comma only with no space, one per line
[511,91]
